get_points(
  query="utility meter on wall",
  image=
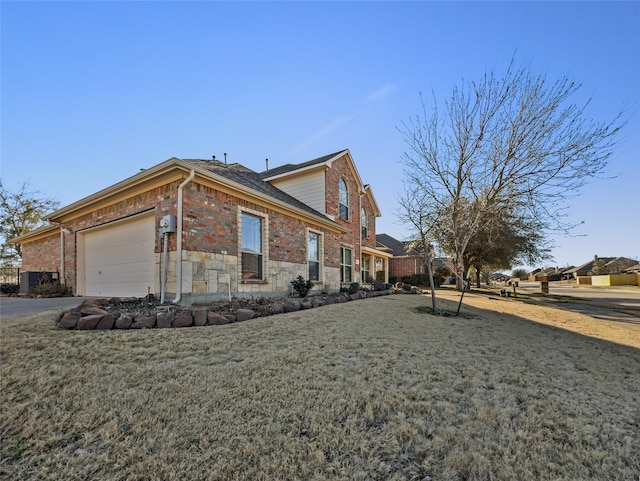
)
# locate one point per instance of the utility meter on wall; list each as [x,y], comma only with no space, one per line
[168,224]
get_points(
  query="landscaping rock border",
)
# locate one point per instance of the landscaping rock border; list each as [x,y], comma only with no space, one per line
[147,313]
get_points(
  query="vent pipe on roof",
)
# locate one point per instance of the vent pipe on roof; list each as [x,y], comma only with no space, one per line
[213,157]
[225,157]
[267,162]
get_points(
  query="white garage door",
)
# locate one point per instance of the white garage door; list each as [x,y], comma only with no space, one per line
[119,260]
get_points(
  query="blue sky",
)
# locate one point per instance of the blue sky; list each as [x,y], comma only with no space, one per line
[94,91]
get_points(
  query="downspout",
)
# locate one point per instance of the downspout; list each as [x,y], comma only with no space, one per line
[179,239]
[63,279]
[165,262]
[360,235]
[62,256]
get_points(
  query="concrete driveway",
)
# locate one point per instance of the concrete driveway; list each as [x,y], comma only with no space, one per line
[19,306]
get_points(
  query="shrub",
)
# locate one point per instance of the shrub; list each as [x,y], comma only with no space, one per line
[9,288]
[354,287]
[301,286]
[50,289]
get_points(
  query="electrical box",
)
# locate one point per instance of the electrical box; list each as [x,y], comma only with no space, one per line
[168,224]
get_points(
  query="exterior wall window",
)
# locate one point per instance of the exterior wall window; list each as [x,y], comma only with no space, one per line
[366,268]
[251,247]
[343,200]
[380,268]
[364,223]
[314,256]
[346,263]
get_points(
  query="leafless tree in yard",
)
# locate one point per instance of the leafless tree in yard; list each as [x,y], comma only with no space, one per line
[20,212]
[512,146]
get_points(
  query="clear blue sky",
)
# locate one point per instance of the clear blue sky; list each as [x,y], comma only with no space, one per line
[94,91]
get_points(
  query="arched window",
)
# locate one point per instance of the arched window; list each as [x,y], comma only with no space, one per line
[364,223]
[343,200]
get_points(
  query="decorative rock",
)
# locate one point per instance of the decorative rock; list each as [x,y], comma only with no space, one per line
[70,319]
[89,322]
[93,303]
[164,319]
[244,315]
[200,317]
[124,321]
[92,311]
[106,322]
[262,311]
[143,322]
[215,319]
[107,314]
[291,306]
[277,308]
[184,319]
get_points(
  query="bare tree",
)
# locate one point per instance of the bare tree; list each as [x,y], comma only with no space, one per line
[20,212]
[513,144]
[416,212]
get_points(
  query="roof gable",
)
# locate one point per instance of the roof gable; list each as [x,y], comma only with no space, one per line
[290,170]
[251,180]
[294,168]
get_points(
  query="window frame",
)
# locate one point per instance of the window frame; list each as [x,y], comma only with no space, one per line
[318,252]
[364,223]
[343,194]
[365,267]
[344,267]
[245,250]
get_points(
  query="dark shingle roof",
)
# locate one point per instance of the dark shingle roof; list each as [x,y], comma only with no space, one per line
[283,169]
[587,266]
[398,248]
[248,178]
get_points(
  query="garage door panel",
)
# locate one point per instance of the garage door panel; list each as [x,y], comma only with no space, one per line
[120,259]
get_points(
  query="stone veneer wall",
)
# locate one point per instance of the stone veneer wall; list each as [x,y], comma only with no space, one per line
[211,276]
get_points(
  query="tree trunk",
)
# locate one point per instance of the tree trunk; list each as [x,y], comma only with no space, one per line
[433,290]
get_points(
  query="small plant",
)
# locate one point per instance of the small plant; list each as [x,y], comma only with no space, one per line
[301,286]
[354,287]
[50,289]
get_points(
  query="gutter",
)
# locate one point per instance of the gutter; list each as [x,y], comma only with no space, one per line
[179,239]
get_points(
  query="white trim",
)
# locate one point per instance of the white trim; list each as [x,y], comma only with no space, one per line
[264,241]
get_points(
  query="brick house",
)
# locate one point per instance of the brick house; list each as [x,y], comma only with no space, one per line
[408,260]
[201,229]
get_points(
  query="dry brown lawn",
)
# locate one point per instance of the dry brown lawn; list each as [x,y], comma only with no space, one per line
[368,390]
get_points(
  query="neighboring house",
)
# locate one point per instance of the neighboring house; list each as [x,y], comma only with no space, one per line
[634,269]
[204,228]
[613,265]
[550,274]
[408,260]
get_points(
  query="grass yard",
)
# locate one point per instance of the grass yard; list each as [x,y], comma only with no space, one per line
[367,390]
